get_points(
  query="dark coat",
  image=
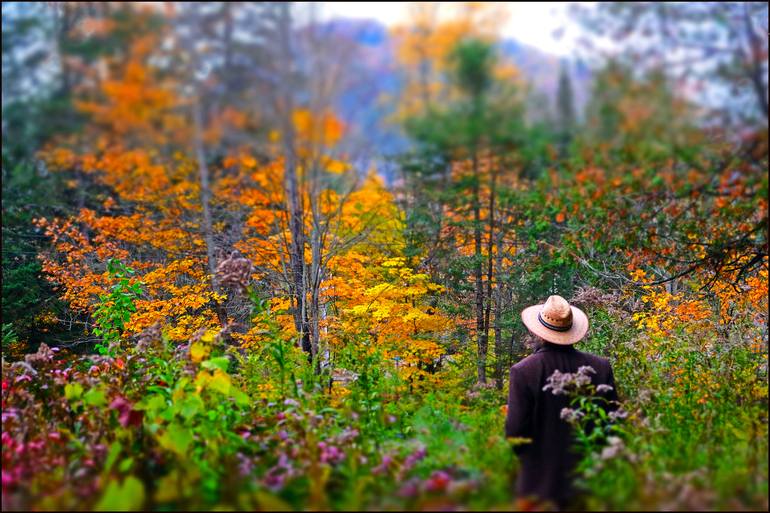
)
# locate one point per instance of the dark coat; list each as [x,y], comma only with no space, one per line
[547,462]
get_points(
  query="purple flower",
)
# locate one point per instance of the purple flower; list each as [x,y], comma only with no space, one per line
[245,465]
[410,488]
[603,388]
[383,466]
[413,458]
[331,454]
[274,481]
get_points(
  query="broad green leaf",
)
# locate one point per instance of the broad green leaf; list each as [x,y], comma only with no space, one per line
[220,382]
[73,391]
[220,362]
[177,438]
[95,397]
[125,496]
[241,398]
[190,405]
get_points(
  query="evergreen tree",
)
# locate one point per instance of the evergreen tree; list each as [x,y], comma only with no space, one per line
[565,108]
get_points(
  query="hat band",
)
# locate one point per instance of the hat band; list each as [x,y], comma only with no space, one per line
[552,327]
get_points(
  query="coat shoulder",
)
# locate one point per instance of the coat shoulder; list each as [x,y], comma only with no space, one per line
[529,363]
[599,363]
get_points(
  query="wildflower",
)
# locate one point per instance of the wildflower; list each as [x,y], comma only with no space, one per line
[438,481]
[603,388]
[274,481]
[556,383]
[245,465]
[613,449]
[412,459]
[620,413]
[234,271]
[383,466]
[571,415]
[348,435]
[330,453]
[410,489]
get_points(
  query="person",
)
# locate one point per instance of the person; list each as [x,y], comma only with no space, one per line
[548,461]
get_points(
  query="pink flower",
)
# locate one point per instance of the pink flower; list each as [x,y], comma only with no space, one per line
[438,481]
[383,466]
[7,479]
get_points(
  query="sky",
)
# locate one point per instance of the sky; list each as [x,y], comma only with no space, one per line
[532,23]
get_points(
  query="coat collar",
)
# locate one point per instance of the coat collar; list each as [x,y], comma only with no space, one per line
[547,346]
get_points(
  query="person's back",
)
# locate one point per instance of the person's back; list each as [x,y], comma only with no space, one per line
[548,461]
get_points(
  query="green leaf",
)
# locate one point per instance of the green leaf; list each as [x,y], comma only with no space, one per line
[125,496]
[112,455]
[220,382]
[95,397]
[190,406]
[154,404]
[177,439]
[73,391]
[241,398]
[220,362]
[126,464]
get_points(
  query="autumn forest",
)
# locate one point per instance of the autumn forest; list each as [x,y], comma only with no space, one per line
[258,258]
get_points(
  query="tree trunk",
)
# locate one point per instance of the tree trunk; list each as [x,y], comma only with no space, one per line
[498,299]
[296,212]
[208,231]
[315,287]
[490,265]
[481,338]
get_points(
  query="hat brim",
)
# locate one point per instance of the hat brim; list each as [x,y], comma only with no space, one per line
[573,335]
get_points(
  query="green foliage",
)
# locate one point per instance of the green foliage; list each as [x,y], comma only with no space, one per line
[115,308]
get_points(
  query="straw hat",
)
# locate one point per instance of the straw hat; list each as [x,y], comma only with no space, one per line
[556,321]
